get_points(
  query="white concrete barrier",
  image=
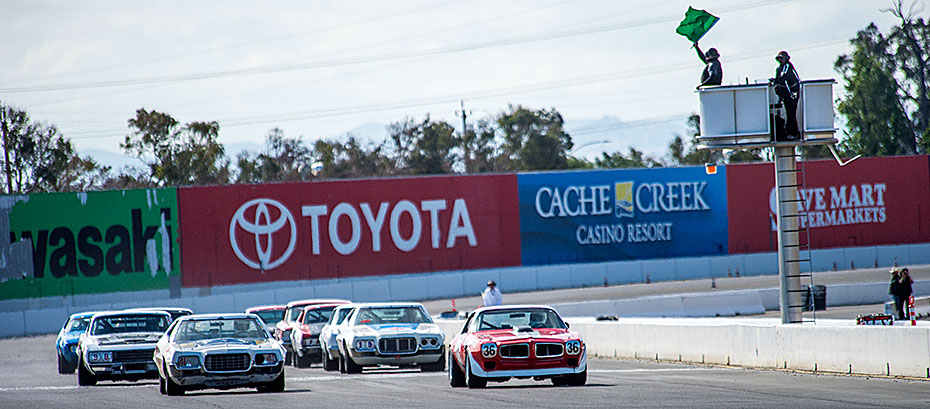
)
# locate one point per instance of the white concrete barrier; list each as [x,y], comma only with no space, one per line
[827,346]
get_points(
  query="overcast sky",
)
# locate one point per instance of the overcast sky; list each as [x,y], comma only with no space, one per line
[320,68]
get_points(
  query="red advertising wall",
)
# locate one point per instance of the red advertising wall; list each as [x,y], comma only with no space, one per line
[871,201]
[320,230]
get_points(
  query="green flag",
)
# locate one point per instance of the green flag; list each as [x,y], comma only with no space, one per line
[696,24]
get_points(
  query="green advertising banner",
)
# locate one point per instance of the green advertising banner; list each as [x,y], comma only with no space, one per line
[56,244]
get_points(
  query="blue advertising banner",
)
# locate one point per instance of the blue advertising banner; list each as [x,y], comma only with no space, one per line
[623,214]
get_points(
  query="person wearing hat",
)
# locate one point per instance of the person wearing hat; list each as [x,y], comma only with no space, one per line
[713,71]
[787,87]
[905,290]
[491,296]
[893,292]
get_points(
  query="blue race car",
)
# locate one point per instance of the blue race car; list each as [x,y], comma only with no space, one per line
[67,341]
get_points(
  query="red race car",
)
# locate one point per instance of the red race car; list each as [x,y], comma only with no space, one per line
[516,341]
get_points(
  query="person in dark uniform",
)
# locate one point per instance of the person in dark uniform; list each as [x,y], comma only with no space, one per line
[905,290]
[893,292]
[713,71]
[788,86]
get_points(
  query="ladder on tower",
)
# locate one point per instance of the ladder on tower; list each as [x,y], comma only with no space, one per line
[803,245]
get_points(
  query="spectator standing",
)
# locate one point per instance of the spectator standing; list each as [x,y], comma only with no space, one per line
[905,289]
[893,292]
[491,296]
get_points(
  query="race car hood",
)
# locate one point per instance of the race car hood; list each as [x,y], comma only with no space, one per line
[395,328]
[129,338]
[222,344]
[522,333]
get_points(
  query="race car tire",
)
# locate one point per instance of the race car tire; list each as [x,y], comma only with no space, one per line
[85,378]
[275,386]
[471,380]
[559,380]
[351,366]
[302,361]
[329,364]
[171,387]
[65,367]
[288,356]
[162,385]
[578,379]
[342,364]
[456,376]
[437,366]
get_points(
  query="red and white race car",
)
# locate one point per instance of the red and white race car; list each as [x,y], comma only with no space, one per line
[516,341]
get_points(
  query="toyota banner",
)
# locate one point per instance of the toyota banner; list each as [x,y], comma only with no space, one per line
[338,229]
[608,215]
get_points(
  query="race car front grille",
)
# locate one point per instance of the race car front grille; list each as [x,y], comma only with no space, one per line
[133,355]
[549,350]
[227,362]
[397,345]
[515,351]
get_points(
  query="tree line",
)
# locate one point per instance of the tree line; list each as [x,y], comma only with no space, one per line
[885,106]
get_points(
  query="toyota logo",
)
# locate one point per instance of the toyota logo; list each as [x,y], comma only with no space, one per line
[262,227]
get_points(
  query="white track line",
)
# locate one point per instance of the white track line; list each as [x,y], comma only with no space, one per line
[373,376]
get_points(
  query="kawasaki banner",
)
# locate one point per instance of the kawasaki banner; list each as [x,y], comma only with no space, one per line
[592,216]
[94,242]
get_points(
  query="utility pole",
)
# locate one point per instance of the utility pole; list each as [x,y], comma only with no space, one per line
[6,152]
[465,149]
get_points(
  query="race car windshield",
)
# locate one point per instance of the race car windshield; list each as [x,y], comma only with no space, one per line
[199,330]
[391,315]
[120,324]
[271,316]
[318,315]
[508,319]
[341,315]
[78,324]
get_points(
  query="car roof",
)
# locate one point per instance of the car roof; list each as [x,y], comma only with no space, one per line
[84,314]
[130,312]
[265,308]
[513,307]
[175,309]
[316,301]
[315,306]
[229,316]
[388,304]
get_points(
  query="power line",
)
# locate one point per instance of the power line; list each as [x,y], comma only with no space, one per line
[277,68]
[599,78]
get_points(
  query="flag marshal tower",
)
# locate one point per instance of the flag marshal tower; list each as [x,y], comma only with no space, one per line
[747,116]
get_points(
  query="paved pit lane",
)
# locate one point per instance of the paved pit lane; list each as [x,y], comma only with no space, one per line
[28,379]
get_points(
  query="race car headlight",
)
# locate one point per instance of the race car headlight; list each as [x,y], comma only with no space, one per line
[99,356]
[429,342]
[266,359]
[573,347]
[187,362]
[363,345]
[489,350]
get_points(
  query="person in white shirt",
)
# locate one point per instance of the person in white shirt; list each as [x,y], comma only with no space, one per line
[491,295]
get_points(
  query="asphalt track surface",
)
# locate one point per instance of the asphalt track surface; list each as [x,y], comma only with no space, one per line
[28,379]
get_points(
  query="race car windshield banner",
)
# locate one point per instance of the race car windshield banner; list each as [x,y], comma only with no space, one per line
[626,214]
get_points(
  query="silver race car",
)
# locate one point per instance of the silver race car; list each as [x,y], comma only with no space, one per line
[219,351]
[396,334]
